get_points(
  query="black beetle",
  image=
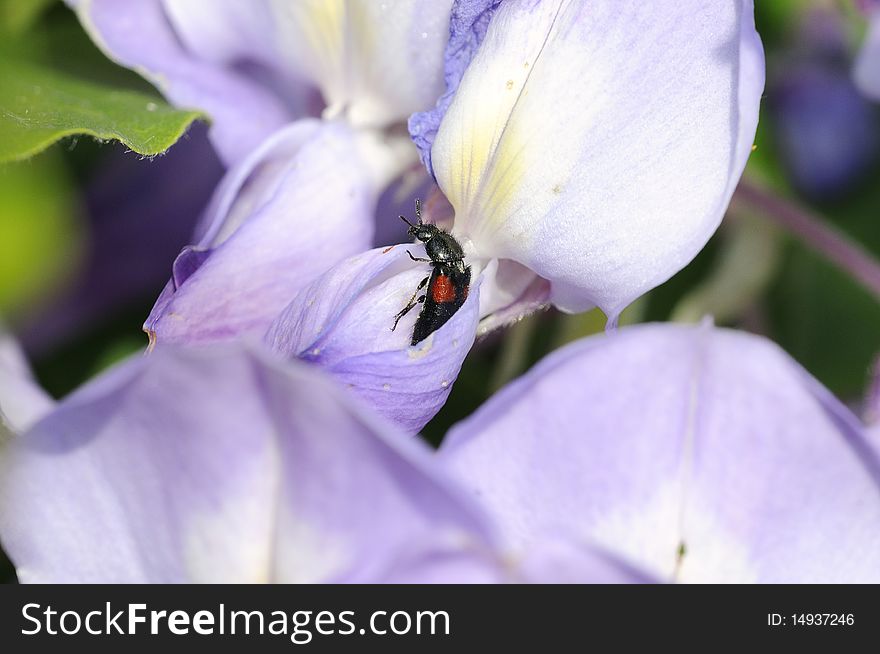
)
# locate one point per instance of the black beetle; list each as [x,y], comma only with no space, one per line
[449,281]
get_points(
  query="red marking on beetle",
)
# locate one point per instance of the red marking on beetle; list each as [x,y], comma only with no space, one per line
[442,290]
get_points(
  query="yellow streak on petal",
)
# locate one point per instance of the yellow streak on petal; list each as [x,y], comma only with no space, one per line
[484,141]
[320,28]
[326,19]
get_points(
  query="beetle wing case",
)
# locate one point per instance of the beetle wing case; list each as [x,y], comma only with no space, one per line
[435,314]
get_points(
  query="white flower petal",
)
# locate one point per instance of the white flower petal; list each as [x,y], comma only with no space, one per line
[598,143]
[374,62]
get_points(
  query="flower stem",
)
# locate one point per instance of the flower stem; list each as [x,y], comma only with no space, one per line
[816,232]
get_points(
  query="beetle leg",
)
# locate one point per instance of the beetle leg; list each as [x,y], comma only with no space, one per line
[418,258]
[413,301]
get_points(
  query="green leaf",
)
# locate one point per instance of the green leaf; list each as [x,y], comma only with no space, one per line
[39,106]
[778,19]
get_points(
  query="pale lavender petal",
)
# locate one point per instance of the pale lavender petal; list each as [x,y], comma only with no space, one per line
[552,560]
[467,28]
[395,59]
[432,562]
[256,179]
[871,405]
[867,66]
[387,59]
[562,560]
[251,184]
[342,323]
[137,34]
[534,298]
[599,142]
[225,32]
[509,293]
[22,400]
[694,453]
[312,208]
[375,63]
[221,464]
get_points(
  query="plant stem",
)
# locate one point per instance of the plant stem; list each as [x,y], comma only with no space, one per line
[816,232]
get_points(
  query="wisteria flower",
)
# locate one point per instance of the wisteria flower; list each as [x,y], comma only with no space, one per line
[298,204]
[698,454]
[660,453]
[342,322]
[307,102]
[568,153]
[224,465]
[588,149]
[587,175]
[598,144]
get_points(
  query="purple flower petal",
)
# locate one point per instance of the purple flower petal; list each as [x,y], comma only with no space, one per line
[564,561]
[342,323]
[22,400]
[274,227]
[221,465]
[453,561]
[870,409]
[552,560]
[826,129]
[598,143]
[695,453]
[510,292]
[867,67]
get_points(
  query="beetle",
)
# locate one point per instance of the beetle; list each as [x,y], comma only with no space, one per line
[449,281]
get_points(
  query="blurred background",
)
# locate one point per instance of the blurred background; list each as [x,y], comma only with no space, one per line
[88,230]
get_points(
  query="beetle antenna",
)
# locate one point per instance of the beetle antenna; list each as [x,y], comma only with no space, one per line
[403,218]
[419,210]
